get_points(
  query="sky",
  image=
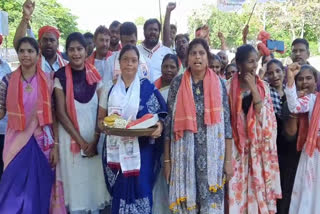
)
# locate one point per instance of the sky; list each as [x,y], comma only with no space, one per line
[93,13]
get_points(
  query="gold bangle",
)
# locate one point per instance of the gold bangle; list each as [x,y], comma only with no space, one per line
[227,161]
[167,161]
[56,143]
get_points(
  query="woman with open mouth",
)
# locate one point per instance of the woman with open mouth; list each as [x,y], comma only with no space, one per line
[197,126]
[305,195]
[255,186]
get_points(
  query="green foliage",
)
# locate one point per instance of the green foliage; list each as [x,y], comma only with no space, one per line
[140,21]
[284,21]
[47,12]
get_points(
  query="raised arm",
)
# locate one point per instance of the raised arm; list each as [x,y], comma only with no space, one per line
[21,31]
[295,104]
[224,46]
[166,26]
[245,33]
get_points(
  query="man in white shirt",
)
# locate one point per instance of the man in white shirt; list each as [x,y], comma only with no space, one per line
[4,70]
[101,40]
[48,37]
[128,35]
[152,49]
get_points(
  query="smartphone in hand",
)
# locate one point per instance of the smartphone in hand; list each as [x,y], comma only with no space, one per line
[275,45]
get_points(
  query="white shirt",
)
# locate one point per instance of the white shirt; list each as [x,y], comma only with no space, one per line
[46,67]
[156,56]
[4,70]
[102,67]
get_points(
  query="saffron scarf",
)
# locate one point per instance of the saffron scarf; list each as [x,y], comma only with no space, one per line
[15,108]
[61,61]
[158,83]
[237,123]
[185,116]
[92,77]
[309,134]
[93,56]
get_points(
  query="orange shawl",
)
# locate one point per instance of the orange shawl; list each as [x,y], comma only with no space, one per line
[185,117]
[92,57]
[158,83]
[236,107]
[15,108]
[308,133]
[92,76]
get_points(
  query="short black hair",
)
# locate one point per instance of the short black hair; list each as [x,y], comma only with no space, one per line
[76,36]
[300,41]
[128,28]
[173,57]
[128,48]
[114,24]
[150,22]
[29,40]
[88,35]
[243,52]
[185,35]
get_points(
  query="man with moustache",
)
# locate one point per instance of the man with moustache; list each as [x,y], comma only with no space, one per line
[48,37]
[101,40]
[152,49]
[182,44]
[115,36]
[300,53]
[90,45]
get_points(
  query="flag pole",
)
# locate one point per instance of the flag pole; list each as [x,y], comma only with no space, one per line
[254,6]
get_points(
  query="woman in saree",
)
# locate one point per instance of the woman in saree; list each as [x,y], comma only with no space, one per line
[197,153]
[255,186]
[29,149]
[169,69]
[305,193]
[77,86]
[130,176]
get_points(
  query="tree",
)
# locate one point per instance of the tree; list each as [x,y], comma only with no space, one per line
[284,21]
[140,20]
[47,12]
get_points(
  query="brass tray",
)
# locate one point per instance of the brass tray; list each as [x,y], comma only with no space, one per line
[130,132]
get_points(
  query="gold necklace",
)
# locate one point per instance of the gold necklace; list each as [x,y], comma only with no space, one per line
[28,88]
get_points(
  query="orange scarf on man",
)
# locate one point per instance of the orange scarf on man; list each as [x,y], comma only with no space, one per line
[185,118]
[15,108]
[237,123]
[92,57]
[92,76]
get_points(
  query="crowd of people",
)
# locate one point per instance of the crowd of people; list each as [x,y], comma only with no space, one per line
[229,139]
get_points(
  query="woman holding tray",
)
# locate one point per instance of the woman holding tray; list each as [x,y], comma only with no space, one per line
[198,134]
[130,175]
